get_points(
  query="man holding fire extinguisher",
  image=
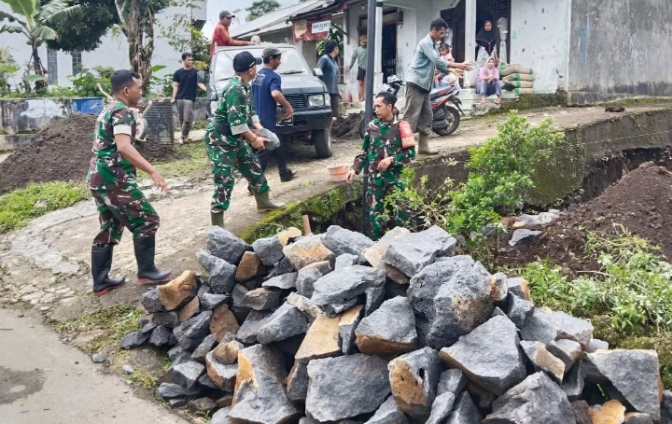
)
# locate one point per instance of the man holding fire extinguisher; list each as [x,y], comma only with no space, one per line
[388,147]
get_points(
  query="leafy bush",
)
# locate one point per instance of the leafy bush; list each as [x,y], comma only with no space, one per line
[85,84]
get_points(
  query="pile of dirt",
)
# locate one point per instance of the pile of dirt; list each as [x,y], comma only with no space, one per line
[61,152]
[347,126]
[641,201]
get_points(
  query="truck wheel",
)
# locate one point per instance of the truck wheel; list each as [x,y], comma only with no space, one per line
[322,140]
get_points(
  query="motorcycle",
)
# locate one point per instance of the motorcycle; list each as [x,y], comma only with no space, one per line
[446,106]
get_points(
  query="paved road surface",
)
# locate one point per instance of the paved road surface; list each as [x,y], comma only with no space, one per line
[43,381]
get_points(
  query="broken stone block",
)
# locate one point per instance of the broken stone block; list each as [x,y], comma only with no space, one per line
[388,413]
[497,312]
[347,326]
[634,374]
[520,310]
[221,416]
[167,319]
[134,339]
[568,351]
[224,401]
[395,275]
[453,381]
[204,348]
[223,321]
[170,391]
[545,326]
[160,336]
[544,218]
[225,245]
[342,241]
[573,383]
[441,408]
[390,330]
[250,267]
[281,268]
[205,381]
[612,412]
[345,260]
[203,405]
[637,418]
[500,290]
[283,282]
[307,250]
[285,322]
[237,306]
[269,250]
[333,393]
[288,235]
[413,380]
[186,374]
[596,344]
[374,254]
[227,353]
[485,398]
[307,276]
[150,301]
[415,251]
[489,355]
[297,382]
[374,298]
[425,285]
[465,411]
[321,340]
[305,305]
[210,301]
[260,395]
[190,310]
[543,360]
[519,287]
[248,331]
[334,309]
[191,332]
[538,397]
[223,375]
[523,236]
[581,414]
[345,284]
[146,324]
[178,292]
[221,274]
[262,299]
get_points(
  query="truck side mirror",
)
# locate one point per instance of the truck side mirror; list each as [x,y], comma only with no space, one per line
[318,72]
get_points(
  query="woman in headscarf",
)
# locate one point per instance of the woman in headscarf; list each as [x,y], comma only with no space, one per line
[488,81]
[488,38]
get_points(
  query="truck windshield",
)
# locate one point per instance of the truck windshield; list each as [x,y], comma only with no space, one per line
[292,62]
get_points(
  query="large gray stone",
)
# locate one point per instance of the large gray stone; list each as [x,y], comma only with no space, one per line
[335,309]
[489,355]
[536,400]
[441,408]
[134,339]
[260,396]
[388,413]
[465,412]
[453,381]
[543,360]
[283,282]
[247,333]
[262,299]
[523,236]
[413,380]
[204,348]
[333,393]
[281,268]
[347,327]
[225,245]
[186,374]
[597,344]
[160,336]
[519,287]
[269,250]
[410,254]
[637,418]
[568,351]
[581,412]
[345,284]
[285,322]
[297,382]
[307,250]
[238,303]
[167,319]
[390,330]
[170,391]
[634,374]
[222,375]
[307,276]
[520,310]
[345,260]
[305,305]
[374,298]
[545,326]
[221,416]
[210,301]
[573,383]
[500,290]
[221,274]
[374,254]
[342,241]
[150,301]
[666,408]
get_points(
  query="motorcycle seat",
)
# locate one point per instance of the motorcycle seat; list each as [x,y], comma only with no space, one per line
[439,92]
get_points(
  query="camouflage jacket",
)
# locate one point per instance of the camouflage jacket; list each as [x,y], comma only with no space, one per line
[235,108]
[108,169]
[381,141]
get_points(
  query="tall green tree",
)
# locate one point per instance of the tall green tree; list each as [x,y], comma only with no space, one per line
[84,34]
[260,8]
[32,19]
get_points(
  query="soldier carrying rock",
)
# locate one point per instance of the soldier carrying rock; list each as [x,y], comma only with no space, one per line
[112,181]
[228,139]
[385,156]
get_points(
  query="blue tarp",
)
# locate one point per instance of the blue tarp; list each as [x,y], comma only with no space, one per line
[90,105]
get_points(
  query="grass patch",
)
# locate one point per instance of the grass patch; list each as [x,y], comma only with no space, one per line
[19,206]
[195,164]
[116,323]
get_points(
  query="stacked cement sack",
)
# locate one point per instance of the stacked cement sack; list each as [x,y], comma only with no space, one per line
[520,77]
[335,328]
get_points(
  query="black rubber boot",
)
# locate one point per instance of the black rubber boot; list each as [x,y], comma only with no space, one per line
[148,273]
[101,263]
[217,219]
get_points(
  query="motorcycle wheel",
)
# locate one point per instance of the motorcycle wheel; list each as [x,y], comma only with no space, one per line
[453,121]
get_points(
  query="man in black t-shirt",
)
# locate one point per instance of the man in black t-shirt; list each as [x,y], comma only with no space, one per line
[185,81]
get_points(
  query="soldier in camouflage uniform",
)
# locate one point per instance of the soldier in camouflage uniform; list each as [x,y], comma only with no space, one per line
[112,181]
[228,138]
[382,152]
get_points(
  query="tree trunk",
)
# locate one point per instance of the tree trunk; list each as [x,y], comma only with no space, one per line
[39,69]
[140,23]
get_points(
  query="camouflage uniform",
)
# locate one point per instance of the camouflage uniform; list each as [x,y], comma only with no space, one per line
[234,116]
[382,140]
[112,180]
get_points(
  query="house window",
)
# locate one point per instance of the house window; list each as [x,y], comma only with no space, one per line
[76,62]
[52,66]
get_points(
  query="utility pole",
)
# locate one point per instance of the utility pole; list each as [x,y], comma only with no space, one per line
[368,98]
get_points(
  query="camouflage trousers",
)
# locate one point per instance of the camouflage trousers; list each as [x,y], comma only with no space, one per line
[225,154]
[124,207]
[380,216]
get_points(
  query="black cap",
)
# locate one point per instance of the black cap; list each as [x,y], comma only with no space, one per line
[244,61]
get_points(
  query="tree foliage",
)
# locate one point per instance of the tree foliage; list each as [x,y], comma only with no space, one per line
[260,8]
[85,34]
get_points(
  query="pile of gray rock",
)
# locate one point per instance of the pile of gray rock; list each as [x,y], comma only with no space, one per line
[336,328]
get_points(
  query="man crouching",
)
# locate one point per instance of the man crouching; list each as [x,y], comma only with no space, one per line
[385,156]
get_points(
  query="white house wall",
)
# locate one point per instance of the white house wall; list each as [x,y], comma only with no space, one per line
[540,40]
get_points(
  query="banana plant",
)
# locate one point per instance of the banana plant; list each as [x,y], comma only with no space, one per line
[32,19]
[136,19]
